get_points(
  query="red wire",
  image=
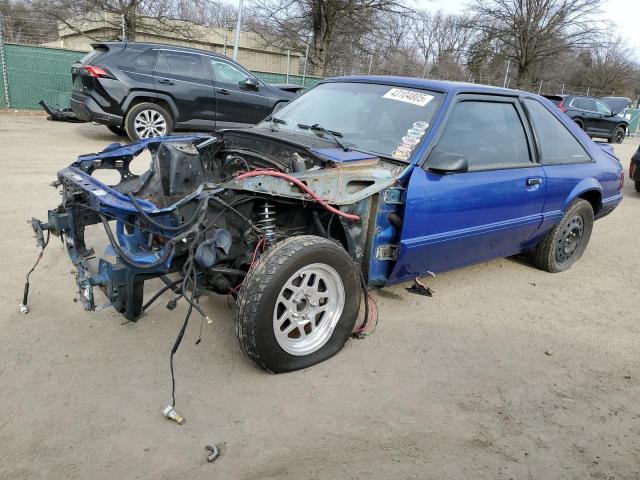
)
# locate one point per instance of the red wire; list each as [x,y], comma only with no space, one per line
[302,186]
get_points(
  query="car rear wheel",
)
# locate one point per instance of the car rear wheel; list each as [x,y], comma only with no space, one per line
[298,305]
[636,183]
[567,241]
[618,135]
[121,132]
[147,120]
[580,124]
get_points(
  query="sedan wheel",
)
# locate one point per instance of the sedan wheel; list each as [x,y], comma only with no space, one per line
[566,242]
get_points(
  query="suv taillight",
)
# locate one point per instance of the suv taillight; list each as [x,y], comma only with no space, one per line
[562,107]
[96,72]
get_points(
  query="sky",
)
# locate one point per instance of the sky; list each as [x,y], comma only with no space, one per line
[624,14]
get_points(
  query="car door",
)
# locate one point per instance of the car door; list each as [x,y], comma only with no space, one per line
[491,210]
[605,122]
[241,98]
[590,115]
[183,77]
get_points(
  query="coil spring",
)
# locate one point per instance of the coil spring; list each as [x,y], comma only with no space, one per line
[267,220]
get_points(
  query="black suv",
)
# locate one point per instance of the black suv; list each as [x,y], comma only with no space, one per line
[146,90]
[593,116]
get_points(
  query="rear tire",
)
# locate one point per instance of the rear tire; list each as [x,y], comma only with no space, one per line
[146,120]
[567,241]
[636,183]
[580,124]
[298,305]
[618,135]
[121,132]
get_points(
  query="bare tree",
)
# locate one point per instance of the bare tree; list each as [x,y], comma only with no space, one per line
[323,25]
[530,31]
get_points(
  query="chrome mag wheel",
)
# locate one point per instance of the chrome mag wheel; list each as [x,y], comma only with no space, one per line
[308,308]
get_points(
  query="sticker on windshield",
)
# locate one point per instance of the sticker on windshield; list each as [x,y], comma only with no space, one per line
[401,154]
[408,96]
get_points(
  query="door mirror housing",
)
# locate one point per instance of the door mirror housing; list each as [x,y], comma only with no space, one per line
[445,162]
[249,84]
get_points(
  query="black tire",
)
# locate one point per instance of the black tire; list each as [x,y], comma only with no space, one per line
[550,254]
[636,184]
[121,132]
[129,121]
[618,135]
[579,123]
[258,297]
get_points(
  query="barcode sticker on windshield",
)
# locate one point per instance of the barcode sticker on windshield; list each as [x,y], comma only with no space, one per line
[408,96]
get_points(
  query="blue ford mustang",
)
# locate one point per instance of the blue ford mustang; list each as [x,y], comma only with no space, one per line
[361,182]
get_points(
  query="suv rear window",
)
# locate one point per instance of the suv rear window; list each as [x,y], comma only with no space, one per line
[137,61]
[557,144]
[181,64]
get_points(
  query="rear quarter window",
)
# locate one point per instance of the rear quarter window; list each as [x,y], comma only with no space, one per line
[557,144]
[138,61]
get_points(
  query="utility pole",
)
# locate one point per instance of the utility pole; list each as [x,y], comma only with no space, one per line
[370,63]
[288,63]
[3,64]
[236,41]
[124,27]
[540,87]
[506,75]
[306,59]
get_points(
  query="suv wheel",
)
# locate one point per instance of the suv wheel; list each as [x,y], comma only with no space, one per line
[567,241]
[147,120]
[121,132]
[298,305]
[618,135]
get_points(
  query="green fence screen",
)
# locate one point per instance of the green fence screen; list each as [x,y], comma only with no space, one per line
[41,73]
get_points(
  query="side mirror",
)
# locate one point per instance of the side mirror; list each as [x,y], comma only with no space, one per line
[249,83]
[444,162]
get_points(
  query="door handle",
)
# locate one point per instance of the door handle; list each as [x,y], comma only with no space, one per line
[223,91]
[165,81]
[533,181]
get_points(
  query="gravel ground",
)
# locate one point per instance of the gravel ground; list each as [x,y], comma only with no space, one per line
[506,373]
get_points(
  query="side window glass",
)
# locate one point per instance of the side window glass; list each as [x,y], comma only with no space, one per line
[226,72]
[602,108]
[589,105]
[182,65]
[489,134]
[145,62]
[557,143]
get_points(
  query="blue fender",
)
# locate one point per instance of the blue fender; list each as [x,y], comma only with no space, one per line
[585,185]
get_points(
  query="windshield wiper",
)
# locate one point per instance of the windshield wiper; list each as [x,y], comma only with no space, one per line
[333,134]
[273,120]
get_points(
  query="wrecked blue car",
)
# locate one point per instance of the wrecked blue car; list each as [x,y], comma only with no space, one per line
[361,182]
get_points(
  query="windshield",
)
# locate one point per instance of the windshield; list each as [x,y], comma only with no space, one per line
[381,119]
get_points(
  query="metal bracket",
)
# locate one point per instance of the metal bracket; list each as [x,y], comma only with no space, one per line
[387,252]
[393,195]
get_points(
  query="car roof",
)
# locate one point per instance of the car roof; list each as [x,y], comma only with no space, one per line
[161,45]
[429,84]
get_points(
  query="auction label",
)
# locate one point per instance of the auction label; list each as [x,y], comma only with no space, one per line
[408,96]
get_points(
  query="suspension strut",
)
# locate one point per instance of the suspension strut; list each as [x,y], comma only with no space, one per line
[267,220]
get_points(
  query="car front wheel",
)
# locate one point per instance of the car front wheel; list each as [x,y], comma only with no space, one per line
[147,120]
[567,241]
[298,305]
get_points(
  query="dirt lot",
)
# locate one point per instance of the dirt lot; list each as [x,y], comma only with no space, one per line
[457,386]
